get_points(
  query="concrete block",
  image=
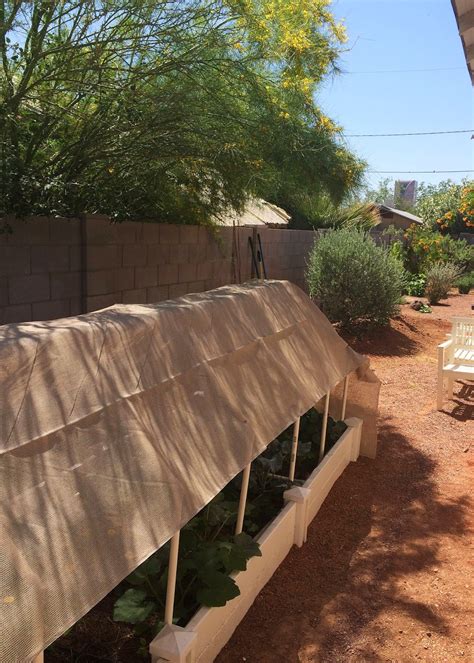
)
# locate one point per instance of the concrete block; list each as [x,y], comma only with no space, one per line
[75,306]
[198,253]
[49,258]
[204,235]
[204,270]
[167,274]
[189,234]
[75,258]
[104,257]
[14,260]
[157,294]
[178,290]
[213,251]
[28,289]
[146,276]
[136,296]
[197,286]
[29,231]
[66,284]
[64,231]
[187,272]
[124,278]
[3,291]
[158,254]
[51,310]
[100,230]
[18,313]
[134,255]
[101,282]
[179,254]
[103,301]
[150,233]
[127,232]
[169,234]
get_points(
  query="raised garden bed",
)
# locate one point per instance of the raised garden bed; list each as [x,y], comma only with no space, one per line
[277,516]
[211,628]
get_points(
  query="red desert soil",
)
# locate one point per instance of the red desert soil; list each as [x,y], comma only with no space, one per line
[387,572]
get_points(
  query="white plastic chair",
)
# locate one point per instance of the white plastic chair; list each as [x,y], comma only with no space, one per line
[456,357]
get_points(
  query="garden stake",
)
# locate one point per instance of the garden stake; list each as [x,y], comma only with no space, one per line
[324,426]
[171,585]
[261,258]
[344,398]
[294,449]
[243,499]
[254,259]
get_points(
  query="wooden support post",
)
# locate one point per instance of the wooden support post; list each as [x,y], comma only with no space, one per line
[39,658]
[344,398]
[294,449]
[324,426]
[171,586]
[243,499]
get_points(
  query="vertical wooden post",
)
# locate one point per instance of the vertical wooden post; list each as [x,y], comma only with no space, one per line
[344,398]
[324,426]
[39,658]
[294,449]
[243,499]
[171,585]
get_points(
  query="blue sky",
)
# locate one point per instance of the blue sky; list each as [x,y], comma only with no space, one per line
[401,35]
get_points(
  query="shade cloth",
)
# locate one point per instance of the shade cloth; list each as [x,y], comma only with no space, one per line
[118,426]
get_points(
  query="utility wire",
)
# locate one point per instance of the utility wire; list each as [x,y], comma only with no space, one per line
[414,133]
[406,172]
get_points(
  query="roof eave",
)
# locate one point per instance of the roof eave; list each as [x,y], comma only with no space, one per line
[465,22]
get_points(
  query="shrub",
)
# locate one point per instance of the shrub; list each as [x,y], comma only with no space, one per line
[353,279]
[439,281]
[465,284]
[416,285]
[425,248]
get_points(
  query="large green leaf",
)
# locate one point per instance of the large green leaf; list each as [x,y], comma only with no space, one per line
[248,545]
[233,557]
[219,589]
[151,567]
[133,606]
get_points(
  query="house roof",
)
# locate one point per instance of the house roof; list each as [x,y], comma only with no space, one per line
[464,12]
[258,212]
[400,212]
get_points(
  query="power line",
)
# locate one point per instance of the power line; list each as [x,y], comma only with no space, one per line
[413,133]
[412,172]
[402,71]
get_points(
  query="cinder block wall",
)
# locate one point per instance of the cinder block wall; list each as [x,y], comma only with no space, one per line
[52,267]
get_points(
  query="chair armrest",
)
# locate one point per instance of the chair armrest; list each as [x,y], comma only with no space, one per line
[445,352]
[445,344]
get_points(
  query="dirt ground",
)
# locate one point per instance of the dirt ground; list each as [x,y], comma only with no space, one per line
[387,572]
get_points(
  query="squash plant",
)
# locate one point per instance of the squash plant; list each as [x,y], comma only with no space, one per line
[209,551]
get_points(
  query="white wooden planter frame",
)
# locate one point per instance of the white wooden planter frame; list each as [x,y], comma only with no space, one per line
[211,628]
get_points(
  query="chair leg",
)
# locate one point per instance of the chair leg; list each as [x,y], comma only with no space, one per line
[450,388]
[440,392]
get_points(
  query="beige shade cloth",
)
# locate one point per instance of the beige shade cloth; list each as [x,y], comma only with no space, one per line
[118,426]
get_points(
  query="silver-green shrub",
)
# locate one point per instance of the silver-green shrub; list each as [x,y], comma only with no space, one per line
[353,279]
[439,281]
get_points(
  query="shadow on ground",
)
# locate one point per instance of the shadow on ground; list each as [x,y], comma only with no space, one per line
[395,340]
[382,524]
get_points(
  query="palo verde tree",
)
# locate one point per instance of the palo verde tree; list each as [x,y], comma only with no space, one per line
[167,109]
